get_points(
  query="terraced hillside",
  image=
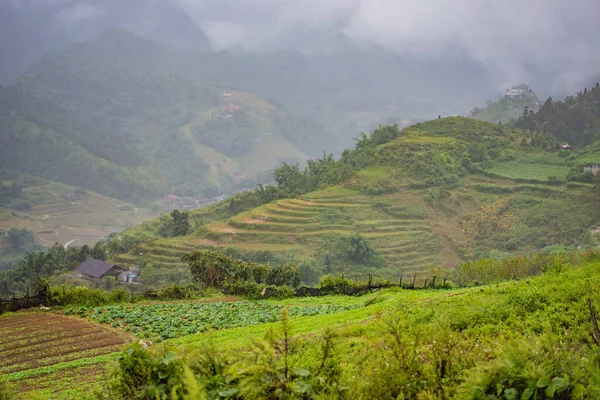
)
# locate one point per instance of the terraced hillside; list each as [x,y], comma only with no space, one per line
[420,203]
[300,228]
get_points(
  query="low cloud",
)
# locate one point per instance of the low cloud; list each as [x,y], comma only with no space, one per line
[518,40]
[79,12]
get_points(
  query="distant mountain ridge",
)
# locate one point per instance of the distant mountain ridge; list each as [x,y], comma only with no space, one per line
[200,136]
[30,29]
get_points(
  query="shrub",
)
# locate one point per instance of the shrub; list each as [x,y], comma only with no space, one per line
[6,391]
[215,269]
[528,370]
[487,270]
[175,292]
[157,374]
[255,291]
[84,296]
[266,370]
[335,283]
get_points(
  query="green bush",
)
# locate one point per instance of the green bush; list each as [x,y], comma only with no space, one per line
[6,391]
[266,370]
[525,369]
[214,269]
[150,375]
[82,295]
[335,283]
[175,292]
[488,270]
[256,291]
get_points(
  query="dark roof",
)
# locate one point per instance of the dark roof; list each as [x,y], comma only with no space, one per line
[95,268]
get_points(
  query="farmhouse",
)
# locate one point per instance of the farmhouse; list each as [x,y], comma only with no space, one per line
[93,269]
[592,168]
[567,147]
[518,91]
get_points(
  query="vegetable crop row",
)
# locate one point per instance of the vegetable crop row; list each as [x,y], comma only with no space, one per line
[167,321]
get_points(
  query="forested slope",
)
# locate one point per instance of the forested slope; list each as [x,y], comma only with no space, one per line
[197,134]
[43,140]
[575,120]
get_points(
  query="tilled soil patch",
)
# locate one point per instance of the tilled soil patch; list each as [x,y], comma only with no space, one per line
[31,340]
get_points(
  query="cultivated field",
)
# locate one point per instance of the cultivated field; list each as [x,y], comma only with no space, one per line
[534,167]
[80,221]
[44,345]
[169,321]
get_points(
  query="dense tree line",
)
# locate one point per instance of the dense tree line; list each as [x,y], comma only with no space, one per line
[292,180]
[45,264]
[576,120]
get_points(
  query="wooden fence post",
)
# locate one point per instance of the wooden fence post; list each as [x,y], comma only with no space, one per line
[400,281]
[445,282]
[414,281]
[433,282]
[596,333]
[370,281]
[425,286]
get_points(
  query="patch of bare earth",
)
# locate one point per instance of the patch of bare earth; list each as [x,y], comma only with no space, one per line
[30,340]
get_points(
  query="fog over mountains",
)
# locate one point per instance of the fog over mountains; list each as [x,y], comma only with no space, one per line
[549,44]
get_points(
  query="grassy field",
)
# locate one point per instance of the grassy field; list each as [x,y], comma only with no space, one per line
[531,166]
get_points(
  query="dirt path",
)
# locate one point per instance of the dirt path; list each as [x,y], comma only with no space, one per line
[69,242]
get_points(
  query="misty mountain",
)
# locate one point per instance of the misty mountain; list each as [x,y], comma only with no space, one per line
[550,45]
[44,140]
[195,133]
[348,75]
[30,29]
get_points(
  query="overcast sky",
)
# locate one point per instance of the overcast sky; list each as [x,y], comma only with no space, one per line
[514,38]
[509,35]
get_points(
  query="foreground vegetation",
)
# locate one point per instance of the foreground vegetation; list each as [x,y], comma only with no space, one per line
[526,339]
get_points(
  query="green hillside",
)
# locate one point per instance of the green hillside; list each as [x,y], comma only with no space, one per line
[401,202]
[45,141]
[198,136]
[576,120]
[505,109]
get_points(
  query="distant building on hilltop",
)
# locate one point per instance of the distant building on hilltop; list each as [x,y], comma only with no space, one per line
[567,146]
[592,168]
[519,92]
